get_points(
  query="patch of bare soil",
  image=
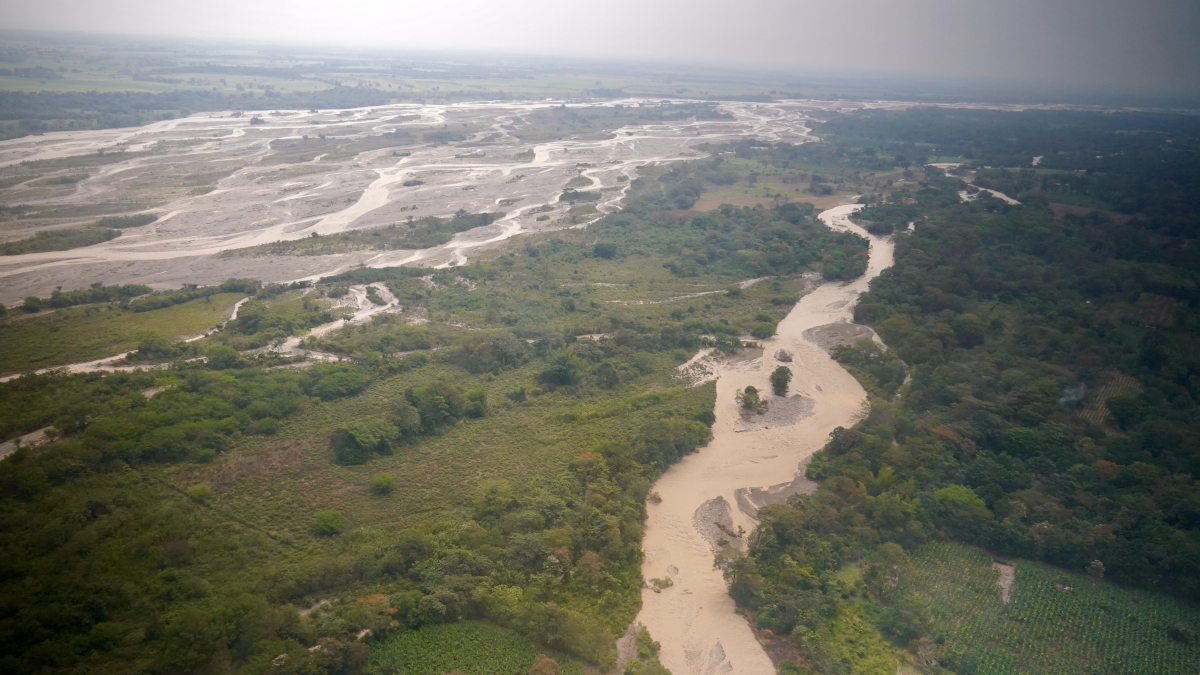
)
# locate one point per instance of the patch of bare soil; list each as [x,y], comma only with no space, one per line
[1008,576]
[781,411]
[750,500]
[269,461]
[834,335]
[29,440]
[714,520]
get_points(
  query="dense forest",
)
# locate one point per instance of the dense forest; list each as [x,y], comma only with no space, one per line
[1038,392]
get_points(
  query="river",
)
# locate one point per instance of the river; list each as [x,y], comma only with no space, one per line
[694,618]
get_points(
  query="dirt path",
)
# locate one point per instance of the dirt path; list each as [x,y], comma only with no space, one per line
[694,619]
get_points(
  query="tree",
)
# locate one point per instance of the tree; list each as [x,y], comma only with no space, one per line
[606,250]
[780,379]
[748,398]
[221,357]
[908,619]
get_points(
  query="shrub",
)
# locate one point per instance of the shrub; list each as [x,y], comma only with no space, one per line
[328,523]
[354,443]
[763,330]
[221,357]
[749,399]
[199,492]
[605,250]
[339,384]
[382,484]
[780,379]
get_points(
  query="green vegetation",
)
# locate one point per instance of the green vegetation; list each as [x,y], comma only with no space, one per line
[121,222]
[1056,622]
[469,647]
[62,239]
[91,332]
[1006,317]
[423,233]
[781,377]
[501,477]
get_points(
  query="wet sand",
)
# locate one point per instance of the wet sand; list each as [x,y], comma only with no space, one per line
[694,619]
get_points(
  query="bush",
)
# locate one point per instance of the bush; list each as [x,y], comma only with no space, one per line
[221,357]
[354,443]
[339,383]
[605,250]
[382,484]
[763,330]
[199,492]
[749,399]
[780,379]
[328,523]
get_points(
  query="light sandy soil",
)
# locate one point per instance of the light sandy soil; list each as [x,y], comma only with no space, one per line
[694,619]
[268,187]
[29,440]
[1008,577]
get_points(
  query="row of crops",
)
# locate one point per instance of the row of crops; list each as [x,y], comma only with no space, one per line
[1057,622]
[469,647]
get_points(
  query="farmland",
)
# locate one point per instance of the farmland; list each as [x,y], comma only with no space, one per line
[1056,622]
[468,647]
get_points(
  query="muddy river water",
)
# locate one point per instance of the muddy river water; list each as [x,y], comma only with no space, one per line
[694,618]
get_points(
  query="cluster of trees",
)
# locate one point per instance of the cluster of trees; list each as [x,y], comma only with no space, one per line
[190,292]
[62,239]
[1005,317]
[422,233]
[425,409]
[122,222]
[95,293]
[742,242]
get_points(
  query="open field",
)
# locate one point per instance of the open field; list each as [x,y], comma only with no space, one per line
[85,333]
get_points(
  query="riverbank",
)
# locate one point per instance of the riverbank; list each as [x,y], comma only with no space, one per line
[694,619]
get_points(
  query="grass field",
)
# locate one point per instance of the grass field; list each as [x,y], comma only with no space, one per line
[1095,627]
[277,485]
[469,647]
[86,333]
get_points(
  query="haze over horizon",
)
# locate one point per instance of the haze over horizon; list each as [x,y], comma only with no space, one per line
[1112,44]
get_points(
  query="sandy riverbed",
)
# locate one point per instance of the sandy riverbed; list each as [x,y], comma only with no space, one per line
[694,619]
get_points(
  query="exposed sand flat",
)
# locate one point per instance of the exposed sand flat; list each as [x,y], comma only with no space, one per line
[694,619]
[269,183]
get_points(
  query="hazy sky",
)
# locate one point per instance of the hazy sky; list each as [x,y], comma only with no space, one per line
[1149,44]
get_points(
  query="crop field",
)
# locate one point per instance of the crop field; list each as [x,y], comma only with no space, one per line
[468,647]
[1056,622]
[86,333]
[1114,383]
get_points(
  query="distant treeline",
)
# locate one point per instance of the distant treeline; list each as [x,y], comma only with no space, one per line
[38,111]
